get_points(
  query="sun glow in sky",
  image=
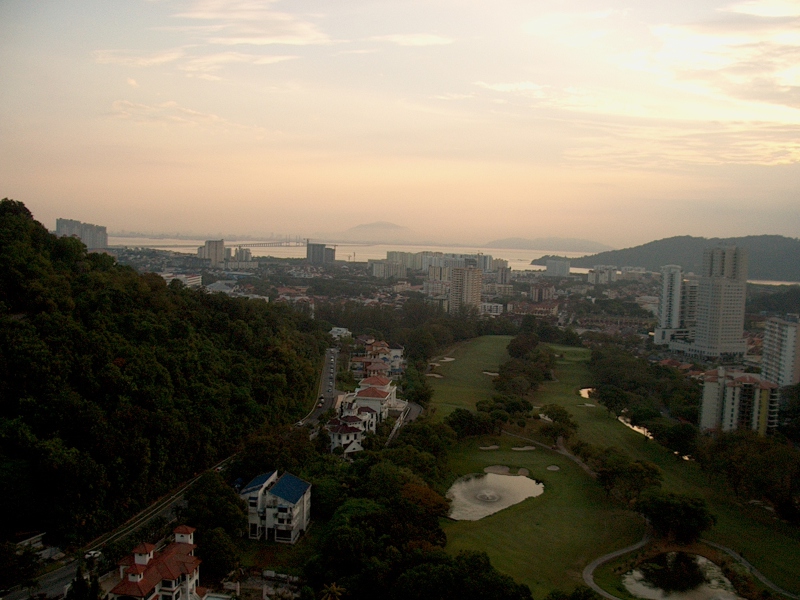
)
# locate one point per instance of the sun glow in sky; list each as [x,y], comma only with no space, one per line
[466,121]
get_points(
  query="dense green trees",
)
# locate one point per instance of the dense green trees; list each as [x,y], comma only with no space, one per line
[114,387]
[676,516]
[755,467]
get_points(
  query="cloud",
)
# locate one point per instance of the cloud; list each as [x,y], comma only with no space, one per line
[574,28]
[751,58]
[132,82]
[665,145]
[767,8]
[528,87]
[172,114]
[247,22]
[414,39]
[214,62]
[128,59]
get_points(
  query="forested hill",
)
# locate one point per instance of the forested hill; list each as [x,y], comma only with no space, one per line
[771,257]
[115,387]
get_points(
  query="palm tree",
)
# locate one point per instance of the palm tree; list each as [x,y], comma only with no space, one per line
[332,592]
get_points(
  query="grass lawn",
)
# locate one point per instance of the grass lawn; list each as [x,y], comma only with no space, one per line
[545,542]
[463,382]
[771,546]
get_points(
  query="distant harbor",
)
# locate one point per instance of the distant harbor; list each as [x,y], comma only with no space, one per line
[518,260]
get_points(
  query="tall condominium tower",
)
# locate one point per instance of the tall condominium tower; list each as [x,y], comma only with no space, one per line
[669,307]
[733,400]
[677,309]
[465,288]
[781,358]
[213,250]
[94,236]
[720,303]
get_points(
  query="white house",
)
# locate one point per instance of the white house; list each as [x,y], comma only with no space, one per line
[278,508]
[172,574]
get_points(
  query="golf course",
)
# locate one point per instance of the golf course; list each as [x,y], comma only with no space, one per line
[545,542]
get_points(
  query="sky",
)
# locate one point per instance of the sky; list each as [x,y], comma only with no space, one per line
[464,120]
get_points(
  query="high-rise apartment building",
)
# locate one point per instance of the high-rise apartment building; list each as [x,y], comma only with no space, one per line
[213,250]
[557,268]
[720,303]
[733,400]
[465,288]
[320,254]
[669,306]
[93,236]
[711,308]
[781,357]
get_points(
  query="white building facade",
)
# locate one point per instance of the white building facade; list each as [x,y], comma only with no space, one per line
[781,357]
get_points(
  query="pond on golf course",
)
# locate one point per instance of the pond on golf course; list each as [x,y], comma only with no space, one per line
[679,576]
[479,495]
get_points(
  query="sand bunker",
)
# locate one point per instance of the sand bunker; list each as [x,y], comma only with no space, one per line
[446,359]
[434,375]
[587,404]
[499,469]
[491,374]
[492,447]
[553,468]
[523,472]
[434,364]
[524,448]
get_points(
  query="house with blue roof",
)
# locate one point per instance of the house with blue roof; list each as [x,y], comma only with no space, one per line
[278,508]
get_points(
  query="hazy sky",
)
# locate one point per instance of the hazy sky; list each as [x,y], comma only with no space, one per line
[618,121]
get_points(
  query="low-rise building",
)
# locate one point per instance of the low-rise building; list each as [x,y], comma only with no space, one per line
[278,508]
[172,574]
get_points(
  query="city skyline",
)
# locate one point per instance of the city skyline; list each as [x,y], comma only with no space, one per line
[601,120]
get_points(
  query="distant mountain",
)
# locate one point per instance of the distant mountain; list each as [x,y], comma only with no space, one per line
[379,232]
[549,243]
[771,257]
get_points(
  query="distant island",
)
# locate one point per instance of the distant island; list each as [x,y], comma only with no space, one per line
[771,257]
[549,243]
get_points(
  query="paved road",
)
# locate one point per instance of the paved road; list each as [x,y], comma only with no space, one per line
[327,388]
[588,572]
[756,573]
[52,584]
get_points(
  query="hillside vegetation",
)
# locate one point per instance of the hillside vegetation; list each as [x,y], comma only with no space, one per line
[771,257]
[114,387]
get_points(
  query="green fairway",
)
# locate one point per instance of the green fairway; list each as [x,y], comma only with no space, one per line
[770,545]
[545,542]
[463,382]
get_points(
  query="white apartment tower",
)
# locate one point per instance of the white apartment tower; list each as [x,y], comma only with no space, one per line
[669,308]
[734,400]
[781,359]
[214,250]
[465,288]
[720,303]
[677,309]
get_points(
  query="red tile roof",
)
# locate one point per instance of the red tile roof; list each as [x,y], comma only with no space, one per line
[372,392]
[144,549]
[184,529]
[376,380]
[174,561]
[366,409]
